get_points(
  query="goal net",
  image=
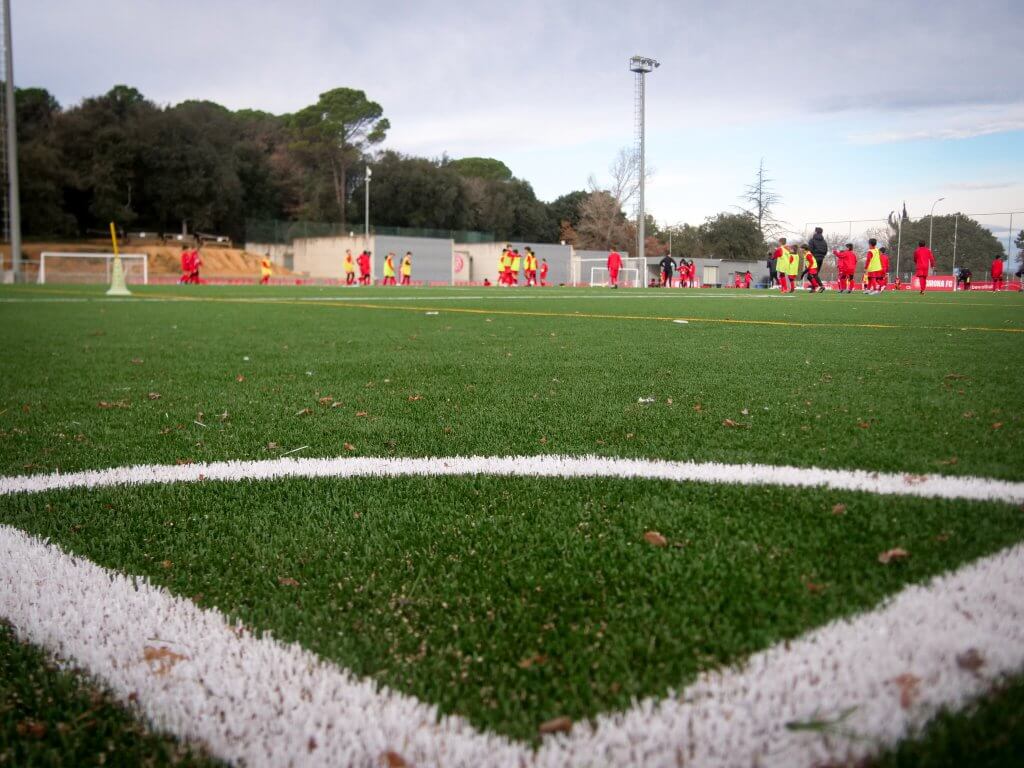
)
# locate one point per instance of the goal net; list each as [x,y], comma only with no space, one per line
[594,273]
[90,267]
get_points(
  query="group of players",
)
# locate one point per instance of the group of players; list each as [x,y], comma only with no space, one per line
[788,267]
[511,262]
[191,261]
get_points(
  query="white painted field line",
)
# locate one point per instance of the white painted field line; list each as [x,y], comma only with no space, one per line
[888,671]
[250,700]
[933,486]
[258,702]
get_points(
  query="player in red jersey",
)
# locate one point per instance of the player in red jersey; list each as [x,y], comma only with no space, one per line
[614,265]
[364,267]
[997,273]
[544,272]
[883,282]
[924,262]
[846,261]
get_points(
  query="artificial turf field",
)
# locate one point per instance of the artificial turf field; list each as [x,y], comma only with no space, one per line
[510,600]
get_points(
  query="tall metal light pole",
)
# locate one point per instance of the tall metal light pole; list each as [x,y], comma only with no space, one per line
[366,225]
[641,65]
[14,200]
[931,221]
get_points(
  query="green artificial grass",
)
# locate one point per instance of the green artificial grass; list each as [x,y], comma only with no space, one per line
[512,601]
[108,383]
[988,735]
[54,717]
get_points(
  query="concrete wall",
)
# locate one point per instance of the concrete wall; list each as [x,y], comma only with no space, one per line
[323,256]
[431,257]
[482,261]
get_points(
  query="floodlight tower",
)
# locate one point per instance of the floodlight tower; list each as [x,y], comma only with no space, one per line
[641,65]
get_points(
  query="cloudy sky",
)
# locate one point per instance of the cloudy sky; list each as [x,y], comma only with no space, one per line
[854,106]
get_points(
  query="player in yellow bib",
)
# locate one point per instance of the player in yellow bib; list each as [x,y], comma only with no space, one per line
[349,265]
[406,268]
[873,267]
[266,270]
[389,269]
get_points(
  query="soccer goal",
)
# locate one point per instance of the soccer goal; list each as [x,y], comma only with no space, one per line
[55,267]
[594,273]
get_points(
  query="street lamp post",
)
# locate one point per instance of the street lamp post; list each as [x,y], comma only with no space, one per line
[931,221]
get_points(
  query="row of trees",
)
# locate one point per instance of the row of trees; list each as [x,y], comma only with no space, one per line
[120,157]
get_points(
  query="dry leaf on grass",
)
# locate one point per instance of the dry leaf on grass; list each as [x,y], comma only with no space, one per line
[908,686]
[161,660]
[136,361]
[31,729]
[698,407]
[287,581]
[734,424]
[361,414]
[997,425]
[153,395]
[839,509]
[272,446]
[556,725]
[303,412]
[392,759]
[182,462]
[166,564]
[543,441]
[970,660]
[949,462]
[537,660]
[891,555]
[239,378]
[815,588]
[348,446]
[326,400]
[864,424]
[116,404]
[414,398]
[655,539]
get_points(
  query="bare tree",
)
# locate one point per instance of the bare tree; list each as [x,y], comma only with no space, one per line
[761,200]
[603,222]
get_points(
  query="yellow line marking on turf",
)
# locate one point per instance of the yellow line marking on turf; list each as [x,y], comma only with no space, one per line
[596,316]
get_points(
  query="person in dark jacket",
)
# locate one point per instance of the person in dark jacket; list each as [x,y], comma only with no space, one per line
[817,246]
[668,265]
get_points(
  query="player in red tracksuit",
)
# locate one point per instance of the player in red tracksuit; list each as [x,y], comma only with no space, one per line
[747,279]
[614,265]
[196,263]
[364,267]
[186,264]
[883,282]
[846,261]
[997,273]
[543,272]
[782,257]
[924,262]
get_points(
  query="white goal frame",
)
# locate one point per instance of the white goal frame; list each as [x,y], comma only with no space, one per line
[624,273]
[597,266]
[109,257]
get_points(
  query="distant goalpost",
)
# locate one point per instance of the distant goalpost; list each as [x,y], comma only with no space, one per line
[57,267]
[594,273]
